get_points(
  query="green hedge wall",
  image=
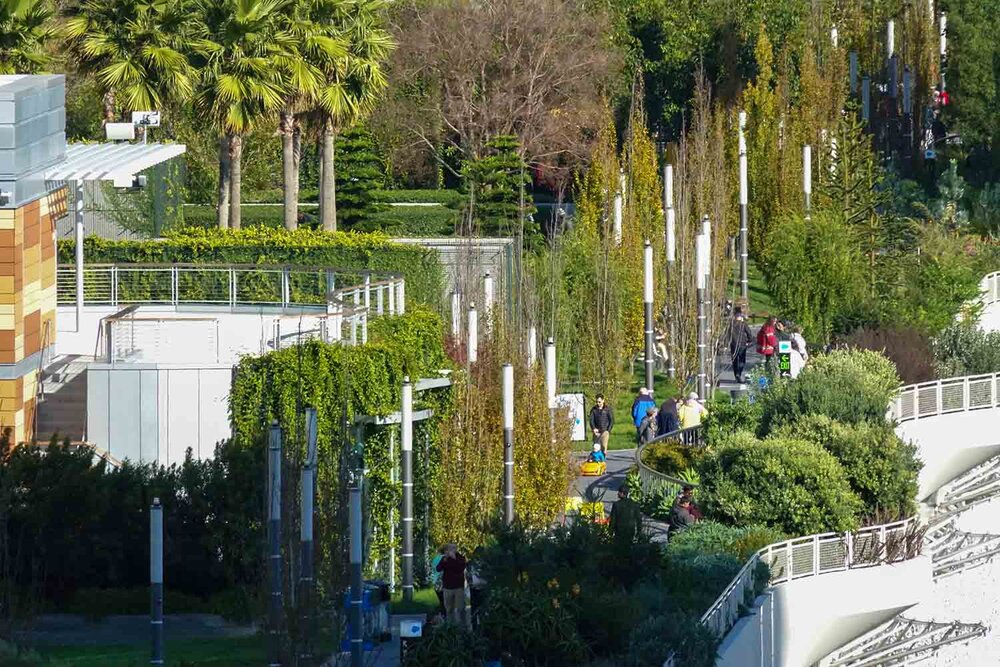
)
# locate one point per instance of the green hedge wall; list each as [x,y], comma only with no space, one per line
[256,245]
[367,380]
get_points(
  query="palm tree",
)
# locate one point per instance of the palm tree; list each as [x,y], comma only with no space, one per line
[353,85]
[24,29]
[135,49]
[238,47]
[315,50]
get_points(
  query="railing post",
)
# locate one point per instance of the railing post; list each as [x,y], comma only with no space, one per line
[364,328]
[114,285]
[378,300]
[174,286]
[965,394]
[401,298]
[232,287]
[109,340]
[850,550]
[938,398]
[815,554]
[286,290]
[368,291]
[391,288]
[789,562]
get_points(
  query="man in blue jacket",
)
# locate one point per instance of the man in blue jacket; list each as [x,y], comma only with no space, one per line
[640,405]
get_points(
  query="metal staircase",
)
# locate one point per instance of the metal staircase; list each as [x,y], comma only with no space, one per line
[975,487]
[901,641]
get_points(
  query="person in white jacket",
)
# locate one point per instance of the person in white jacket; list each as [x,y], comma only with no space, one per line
[799,353]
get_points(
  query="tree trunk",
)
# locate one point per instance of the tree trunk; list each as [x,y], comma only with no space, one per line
[297,163]
[235,184]
[109,106]
[328,187]
[288,171]
[224,176]
[319,179]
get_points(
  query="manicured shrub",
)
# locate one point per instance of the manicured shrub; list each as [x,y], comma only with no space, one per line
[881,468]
[965,349]
[670,458]
[411,221]
[531,627]
[711,537]
[851,386]
[340,251]
[793,485]
[447,645]
[726,418]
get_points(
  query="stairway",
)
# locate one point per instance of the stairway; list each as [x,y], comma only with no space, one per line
[62,408]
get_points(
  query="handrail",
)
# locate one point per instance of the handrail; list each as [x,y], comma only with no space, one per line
[240,267]
[938,397]
[811,556]
[651,479]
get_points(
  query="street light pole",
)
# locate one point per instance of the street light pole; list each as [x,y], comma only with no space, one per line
[700,263]
[671,251]
[807,178]
[406,427]
[744,194]
[647,302]
[307,490]
[508,444]
[274,544]
[156,581]
[473,347]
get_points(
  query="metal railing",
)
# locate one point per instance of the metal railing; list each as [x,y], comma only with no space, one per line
[939,397]
[811,556]
[233,285]
[653,480]
[990,287]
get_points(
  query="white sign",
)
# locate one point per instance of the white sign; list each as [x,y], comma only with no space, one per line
[784,347]
[146,118]
[574,402]
[411,628]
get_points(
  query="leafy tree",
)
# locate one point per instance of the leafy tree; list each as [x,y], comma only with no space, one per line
[135,48]
[500,181]
[353,85]
[965,349]
[949,208]
[360,176]
[812,270]
[24,30]
[237,47]
[790,484]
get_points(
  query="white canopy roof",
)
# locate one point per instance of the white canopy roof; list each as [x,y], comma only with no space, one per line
[118,162]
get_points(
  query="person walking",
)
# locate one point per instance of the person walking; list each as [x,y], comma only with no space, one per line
[647,427]
[642,402]
[602,420]
[767,342]
[452,569]
[626,517]
[666,418]
[739,341]
[800,355]
[691,412]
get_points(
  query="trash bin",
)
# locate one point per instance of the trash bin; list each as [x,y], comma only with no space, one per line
[411,631]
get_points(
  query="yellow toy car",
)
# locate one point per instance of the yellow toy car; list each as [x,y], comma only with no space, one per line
[593,468]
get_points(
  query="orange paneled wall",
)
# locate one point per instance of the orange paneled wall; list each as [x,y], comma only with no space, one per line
[27,304]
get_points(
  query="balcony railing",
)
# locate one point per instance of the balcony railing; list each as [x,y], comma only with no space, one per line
[990,287]
[973,392]
[811,556]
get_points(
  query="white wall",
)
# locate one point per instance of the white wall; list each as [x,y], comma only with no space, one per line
[990,318]
[951,444]
[154,412]
[795,624]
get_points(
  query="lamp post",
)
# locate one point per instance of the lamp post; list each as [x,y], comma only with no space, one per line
[550,372]
[671,252]
[807,177]
[532,346]
[618,205]
[307,489]
[406,428]
[647,303]
[456,315]
[156,581]
[473,347]
[508,444]
[274,544]
[488,298]
[744,195]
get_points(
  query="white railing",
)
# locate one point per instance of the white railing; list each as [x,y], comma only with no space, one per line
[233,286]
[990,287]
[940,397]
[811,556]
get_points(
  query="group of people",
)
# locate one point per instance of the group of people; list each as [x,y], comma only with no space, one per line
[650,420]
[451,574]
[768,337]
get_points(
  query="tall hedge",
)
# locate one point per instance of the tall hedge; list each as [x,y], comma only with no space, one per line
[342,381]
[259,245]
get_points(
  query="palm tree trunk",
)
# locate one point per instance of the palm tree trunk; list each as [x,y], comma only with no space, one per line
[224,177]
[108,102]
[235,184]
[297,162]
[289,173]
[319,179]
[328,187]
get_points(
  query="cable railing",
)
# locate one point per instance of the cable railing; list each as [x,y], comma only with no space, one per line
[811,556]
[236,285]
[940,397]
[653,481]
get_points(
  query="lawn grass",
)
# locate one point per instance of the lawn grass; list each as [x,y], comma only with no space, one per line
[217,652]
[761,304]
[424,602]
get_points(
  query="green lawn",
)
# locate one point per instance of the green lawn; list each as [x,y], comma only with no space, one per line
[760,298]
[424,602]
[235,652]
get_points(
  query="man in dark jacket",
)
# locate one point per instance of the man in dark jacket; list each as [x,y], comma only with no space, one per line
[626,518]
[666,418]
[680,516]
[452,568]
[601,422]
[739,340]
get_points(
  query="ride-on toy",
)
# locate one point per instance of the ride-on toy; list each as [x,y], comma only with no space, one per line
[593,468]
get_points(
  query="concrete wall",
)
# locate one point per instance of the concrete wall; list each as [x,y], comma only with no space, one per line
[154,412]
[951,444]
[990,318]
[795,624]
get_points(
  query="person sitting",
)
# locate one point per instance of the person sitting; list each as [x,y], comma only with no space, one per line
[680,516]
[597,456]
[687,493]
